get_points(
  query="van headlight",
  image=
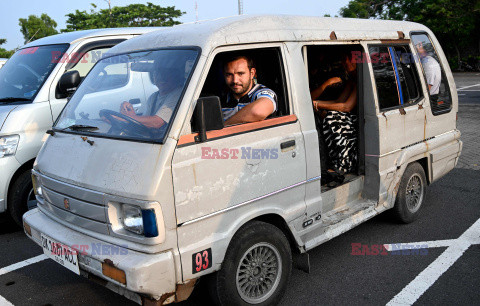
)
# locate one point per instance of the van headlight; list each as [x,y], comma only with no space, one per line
[8,145]
[140,221]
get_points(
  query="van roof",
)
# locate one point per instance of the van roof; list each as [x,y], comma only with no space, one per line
[67,38]
[264,28]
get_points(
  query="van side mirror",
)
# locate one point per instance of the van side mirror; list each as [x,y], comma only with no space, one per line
[67,84]
[207,116]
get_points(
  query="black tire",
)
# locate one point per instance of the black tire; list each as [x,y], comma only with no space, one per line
[254,236]
[411,194]
[21,192]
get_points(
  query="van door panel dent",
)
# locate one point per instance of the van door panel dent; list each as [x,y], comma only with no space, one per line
[238,173]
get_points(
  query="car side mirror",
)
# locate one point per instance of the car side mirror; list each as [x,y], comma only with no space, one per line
[207,116]
[67,84]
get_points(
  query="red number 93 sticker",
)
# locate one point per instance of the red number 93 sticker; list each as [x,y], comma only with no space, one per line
[201,260]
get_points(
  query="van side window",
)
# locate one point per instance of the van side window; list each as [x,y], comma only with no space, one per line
[268,81]
[408,74]
[88,60]
[434,74]
[395,76]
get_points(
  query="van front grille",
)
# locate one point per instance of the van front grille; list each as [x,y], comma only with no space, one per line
[76,205]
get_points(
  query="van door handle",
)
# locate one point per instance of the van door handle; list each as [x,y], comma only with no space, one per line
[287,144]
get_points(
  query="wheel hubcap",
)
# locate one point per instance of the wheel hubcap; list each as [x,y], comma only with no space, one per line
[259,273]
[414,193]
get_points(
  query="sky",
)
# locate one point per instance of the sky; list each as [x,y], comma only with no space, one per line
[11,11]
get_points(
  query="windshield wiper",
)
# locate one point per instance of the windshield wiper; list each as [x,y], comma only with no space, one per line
[80,127]
[12,99]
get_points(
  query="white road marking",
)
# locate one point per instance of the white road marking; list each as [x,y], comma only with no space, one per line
[4,302]
[461,94]
[423,244]
[416,288]
[22,264]
[16,266]
[467,87]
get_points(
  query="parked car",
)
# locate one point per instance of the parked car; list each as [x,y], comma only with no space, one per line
[150,209]
[31,99]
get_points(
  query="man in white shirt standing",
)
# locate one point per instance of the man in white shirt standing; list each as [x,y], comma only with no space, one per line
[432,70]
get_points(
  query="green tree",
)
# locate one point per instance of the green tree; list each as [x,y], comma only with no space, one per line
[455,23]
[37,27]
[133,15]
[3,52]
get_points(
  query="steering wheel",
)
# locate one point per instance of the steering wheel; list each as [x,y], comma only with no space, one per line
[130,126]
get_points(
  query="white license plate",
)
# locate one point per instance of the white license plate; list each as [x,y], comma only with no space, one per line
[63,254]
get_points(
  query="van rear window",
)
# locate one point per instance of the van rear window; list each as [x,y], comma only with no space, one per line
[434,74]
[384,77]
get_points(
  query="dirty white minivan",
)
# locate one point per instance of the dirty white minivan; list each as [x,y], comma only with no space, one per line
[32,96]
[150,210]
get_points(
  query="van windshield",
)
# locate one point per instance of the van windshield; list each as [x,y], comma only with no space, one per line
[24,73]
[130,96]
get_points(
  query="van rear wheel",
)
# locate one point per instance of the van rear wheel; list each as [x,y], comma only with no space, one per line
[411,194]
[256,268]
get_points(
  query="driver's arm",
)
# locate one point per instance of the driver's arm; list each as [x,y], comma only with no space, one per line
[149,121]
[255,111]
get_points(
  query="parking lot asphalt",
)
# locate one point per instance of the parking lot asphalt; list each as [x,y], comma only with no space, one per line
[468,87]
[337,277]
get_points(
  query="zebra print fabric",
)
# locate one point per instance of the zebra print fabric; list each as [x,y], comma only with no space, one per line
[340,134]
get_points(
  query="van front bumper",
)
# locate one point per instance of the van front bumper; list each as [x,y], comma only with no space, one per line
[148,276]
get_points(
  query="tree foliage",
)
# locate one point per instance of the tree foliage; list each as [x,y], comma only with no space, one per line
[3,52]
[35,27]
[455,23]
[133,15]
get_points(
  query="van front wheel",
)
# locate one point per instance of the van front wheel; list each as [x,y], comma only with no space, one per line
[411,193]
[256,268]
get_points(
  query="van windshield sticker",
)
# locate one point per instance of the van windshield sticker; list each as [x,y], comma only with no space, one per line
[29,50]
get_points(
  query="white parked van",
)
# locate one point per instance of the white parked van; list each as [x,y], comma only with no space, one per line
[143,185]
[31,99]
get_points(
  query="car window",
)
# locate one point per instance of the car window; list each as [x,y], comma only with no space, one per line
[130,96]
[385,79]
[88,60]
[396,78]
[434,74]
[268,81]
[25,72]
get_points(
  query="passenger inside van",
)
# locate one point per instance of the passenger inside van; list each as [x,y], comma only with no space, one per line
[334,101]
[245,101]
